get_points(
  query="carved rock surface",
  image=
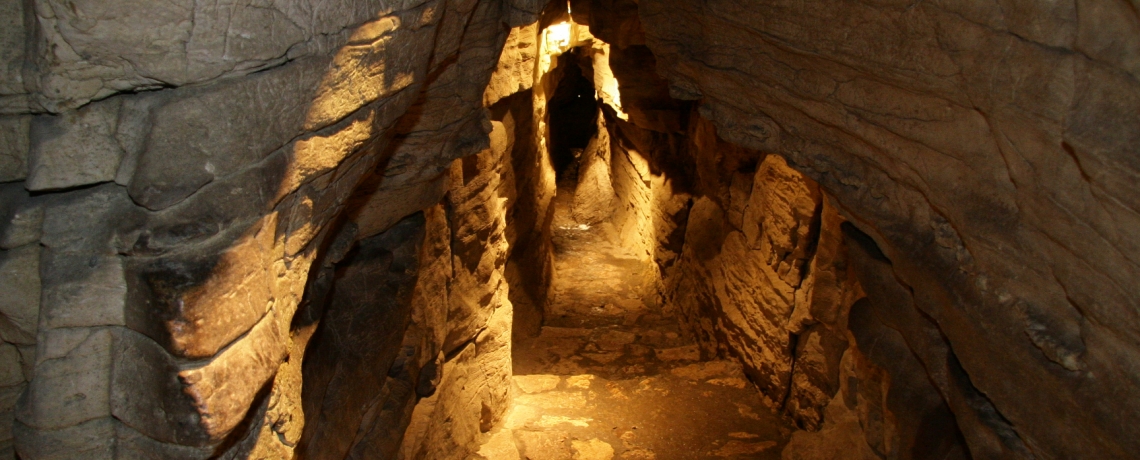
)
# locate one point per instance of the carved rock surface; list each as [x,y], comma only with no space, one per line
[988,150]
[179,221]
[909,221]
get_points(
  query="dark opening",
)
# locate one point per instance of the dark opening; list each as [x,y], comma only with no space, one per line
[573,115]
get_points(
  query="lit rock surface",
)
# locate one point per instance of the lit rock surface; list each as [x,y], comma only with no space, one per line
[908,230]
[634,405]
[989,151]
[202,203]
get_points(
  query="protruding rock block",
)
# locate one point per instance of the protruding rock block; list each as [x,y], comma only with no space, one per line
[147,395]
[76,148]
[91,439]
[95,49]
[195,303]
[97,221]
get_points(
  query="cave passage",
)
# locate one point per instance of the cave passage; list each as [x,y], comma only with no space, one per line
[611,372]
[573,114]
[569,230]
[605,278]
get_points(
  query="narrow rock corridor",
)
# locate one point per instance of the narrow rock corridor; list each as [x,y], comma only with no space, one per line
[569,230]
[611,376]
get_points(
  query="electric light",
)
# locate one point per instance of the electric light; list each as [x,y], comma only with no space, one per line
[558,36]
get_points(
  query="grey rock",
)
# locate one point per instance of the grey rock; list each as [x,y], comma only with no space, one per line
[91,439]
[21,216]
[14,147]
[20,304]
[72,384]
[146,393]
[129,443]
[135,119]
[19,104]
[205,133]
[185,301]
[96,48]
[28,361]
[82,290]
[97,221]
[75,148]
[179,272]
[10,374]
[12,38]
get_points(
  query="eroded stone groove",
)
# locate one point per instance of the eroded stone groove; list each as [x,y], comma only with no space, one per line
[453,229]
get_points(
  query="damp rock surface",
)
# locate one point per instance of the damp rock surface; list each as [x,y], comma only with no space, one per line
[612,377]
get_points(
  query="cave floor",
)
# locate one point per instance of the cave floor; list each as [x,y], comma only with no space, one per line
[610,377]
[596,281]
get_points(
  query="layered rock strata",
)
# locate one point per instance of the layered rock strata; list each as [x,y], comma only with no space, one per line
[192,170]
[913,224]
[988,152]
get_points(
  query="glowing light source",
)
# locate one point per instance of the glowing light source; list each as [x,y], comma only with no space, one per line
[558,36]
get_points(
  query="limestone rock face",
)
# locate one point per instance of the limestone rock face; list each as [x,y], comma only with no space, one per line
[471,391]
[357,374]
[915,225]
[855,425]
[77,148]
[594,197]
[20,307]
[14,147]
[515,70]
[174,227]
[766,280]
[94,49]
[988,151]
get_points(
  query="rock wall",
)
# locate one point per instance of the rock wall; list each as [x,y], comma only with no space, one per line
[490,273]
[744,257]
[742,254]
[363,363]
[20,307]
[183,187]
[472,393]
[189,164]
[988,150]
